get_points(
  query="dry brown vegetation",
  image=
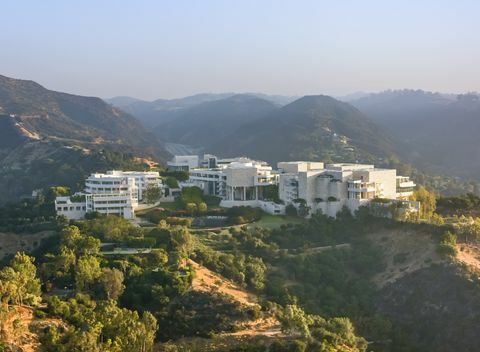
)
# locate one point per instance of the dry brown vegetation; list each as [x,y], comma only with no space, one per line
[206,280]
[405,251]
[21,328]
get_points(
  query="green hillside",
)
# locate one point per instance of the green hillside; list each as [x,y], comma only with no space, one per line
[310,128]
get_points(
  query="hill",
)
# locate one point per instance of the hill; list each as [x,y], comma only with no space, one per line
[46,113]
[153,113]
[435,132]
[207,123]
[311,128]
[48,137]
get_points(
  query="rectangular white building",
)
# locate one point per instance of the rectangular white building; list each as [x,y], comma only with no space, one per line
[238,181]
[328,188]
[115,192]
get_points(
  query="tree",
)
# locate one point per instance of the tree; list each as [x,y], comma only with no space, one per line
[471,230]
[159,257]
[202,207]
[294,320]
[171,182]
[152,193]
[255,273]
[18,281]
[87,272]
[428,202]
[57,191]
[191,207]
[182,241]
[112,283]
[80,244]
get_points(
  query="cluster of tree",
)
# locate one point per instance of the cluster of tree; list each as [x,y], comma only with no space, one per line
[465,204]
[203,314]
[177,175]
[192,200]
[98,326]
[75,264]
[334,334]
[243,269]
[111,228]
[468,229]
[28,215]
[320,230]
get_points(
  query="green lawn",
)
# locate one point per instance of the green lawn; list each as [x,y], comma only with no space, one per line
[275,221]
[169,205]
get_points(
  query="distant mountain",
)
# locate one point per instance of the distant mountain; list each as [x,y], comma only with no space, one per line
[206,123]
[36,123]
[436,132]
[280,100]
[352,96]
[154,113]
[123,101]
[310,128]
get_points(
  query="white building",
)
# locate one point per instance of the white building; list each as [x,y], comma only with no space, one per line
[183,162]
[328,188]
[115,192]
[238,181]
[143,179]
[70,207]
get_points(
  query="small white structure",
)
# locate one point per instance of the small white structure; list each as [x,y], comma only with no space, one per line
[115,192]
[328,188]
[183,162]
[70,207]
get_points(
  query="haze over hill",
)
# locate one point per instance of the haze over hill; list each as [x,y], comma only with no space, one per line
[154,113]
[438,132]
[310,128]
[207,123]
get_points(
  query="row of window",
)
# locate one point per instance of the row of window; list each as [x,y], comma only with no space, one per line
[77,208]
[110,202]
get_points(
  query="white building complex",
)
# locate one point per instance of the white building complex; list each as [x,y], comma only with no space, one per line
[328,188]
[115,192]
[238,181]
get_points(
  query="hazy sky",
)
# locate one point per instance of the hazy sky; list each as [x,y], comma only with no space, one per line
[152,49]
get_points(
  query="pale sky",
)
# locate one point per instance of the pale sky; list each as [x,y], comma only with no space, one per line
[164,49]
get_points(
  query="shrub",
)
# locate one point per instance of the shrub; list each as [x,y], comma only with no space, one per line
[173,220]
[241,215]
[290,210]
